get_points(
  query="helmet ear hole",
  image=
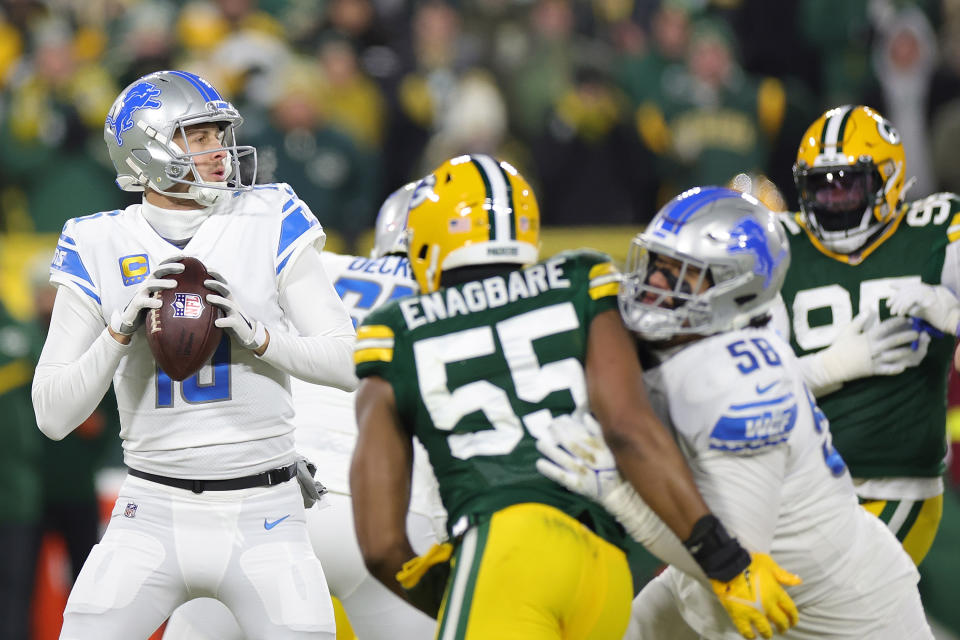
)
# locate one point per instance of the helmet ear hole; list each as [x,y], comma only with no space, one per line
[422,254]
[140,155]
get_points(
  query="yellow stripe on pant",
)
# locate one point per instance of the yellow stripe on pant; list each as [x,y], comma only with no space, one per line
[914,522]
[531,572]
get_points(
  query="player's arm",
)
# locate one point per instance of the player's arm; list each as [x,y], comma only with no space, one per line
[322,353]
[644,450]
[747,584]
[380,473]
[76,366]
[743,491]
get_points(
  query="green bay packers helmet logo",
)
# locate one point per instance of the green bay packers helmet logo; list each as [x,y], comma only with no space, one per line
[887,131]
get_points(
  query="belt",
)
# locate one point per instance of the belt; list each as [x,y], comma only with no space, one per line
[265,479]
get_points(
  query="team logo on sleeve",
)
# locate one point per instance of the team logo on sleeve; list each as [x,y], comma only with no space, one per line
[134,268]
[187,305]
[142,95]
[131,510]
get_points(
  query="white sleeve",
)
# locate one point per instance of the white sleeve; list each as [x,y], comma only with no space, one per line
[322,353]
[76,366]
[646,527]
[780,319]
[743,491]
[950,274]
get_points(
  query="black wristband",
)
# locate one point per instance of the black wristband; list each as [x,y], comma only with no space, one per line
[720,556]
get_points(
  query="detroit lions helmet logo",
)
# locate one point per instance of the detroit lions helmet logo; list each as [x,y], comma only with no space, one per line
[747,236]
[142,95]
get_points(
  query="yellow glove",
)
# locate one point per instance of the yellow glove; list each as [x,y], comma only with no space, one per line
[424,578]
[754,597]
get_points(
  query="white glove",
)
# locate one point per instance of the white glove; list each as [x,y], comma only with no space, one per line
[310,490]
[886,348]
[577,457]
[934,303]
[250,333]
[127,321]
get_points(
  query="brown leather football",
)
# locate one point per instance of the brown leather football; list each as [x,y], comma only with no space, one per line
[181,333]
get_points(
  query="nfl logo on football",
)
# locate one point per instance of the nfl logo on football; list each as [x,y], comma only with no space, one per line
[187,305]
[131,510]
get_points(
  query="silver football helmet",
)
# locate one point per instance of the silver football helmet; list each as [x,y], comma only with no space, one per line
[390,235]
[732,247]
[139,134]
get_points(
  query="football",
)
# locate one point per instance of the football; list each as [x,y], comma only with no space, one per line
[181,333]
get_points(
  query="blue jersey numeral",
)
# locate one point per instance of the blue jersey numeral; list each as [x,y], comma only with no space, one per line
[368,292]
[746,352]
[831,456]
[192,390]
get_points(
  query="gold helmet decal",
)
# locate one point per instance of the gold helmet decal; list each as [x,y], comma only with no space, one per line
[850,175]
[471,210]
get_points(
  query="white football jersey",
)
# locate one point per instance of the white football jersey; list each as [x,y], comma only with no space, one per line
[234,417]
[730,398]
[326,424]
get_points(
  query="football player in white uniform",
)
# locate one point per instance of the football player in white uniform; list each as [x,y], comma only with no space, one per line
[326,433]
[699,284]
[208,508]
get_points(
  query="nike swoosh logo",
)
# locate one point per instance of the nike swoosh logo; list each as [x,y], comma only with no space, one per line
[763,390]
[270,525]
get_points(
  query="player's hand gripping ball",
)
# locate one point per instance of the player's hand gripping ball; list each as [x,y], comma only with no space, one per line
[182,333]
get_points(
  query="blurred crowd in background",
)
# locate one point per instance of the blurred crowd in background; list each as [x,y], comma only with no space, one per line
[608,107]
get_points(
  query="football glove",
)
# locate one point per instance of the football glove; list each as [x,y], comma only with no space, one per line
[936,304]
[576,457]
[249,333]
[425,577]
[754,597]
[127,321]
[885,348]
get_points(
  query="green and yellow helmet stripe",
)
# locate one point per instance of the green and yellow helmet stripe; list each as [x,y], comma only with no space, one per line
[503,223]
[833,128]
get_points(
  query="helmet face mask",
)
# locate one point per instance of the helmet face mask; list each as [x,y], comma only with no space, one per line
[850,177]
[144,120]
[711,260]
[472,210]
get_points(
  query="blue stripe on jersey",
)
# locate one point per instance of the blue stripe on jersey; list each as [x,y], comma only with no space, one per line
[289,203]
[67,260]
[672,219]
[88,292]
[754,431]
[205,88]
[293,226]
[283,263]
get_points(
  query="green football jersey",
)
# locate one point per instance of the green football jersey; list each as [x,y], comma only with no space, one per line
[480,369]
[883,426]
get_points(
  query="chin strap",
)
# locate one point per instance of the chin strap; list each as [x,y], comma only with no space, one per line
[205,196]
